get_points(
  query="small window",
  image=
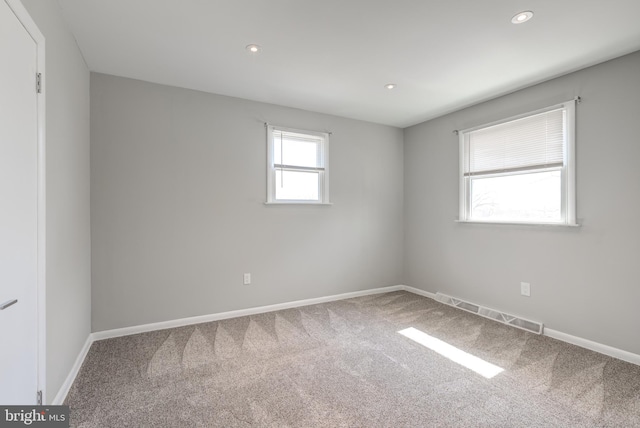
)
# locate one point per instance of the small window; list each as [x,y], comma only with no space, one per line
[520,170]
[297,166]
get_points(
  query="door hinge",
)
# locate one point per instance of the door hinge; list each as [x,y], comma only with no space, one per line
[39,83]
[39,397]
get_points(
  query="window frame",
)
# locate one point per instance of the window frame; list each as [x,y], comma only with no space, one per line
[273,167]
[567,170]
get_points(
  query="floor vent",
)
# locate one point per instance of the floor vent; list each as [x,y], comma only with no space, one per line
[512,320]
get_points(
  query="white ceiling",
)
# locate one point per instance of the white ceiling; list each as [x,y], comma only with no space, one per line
[335,56]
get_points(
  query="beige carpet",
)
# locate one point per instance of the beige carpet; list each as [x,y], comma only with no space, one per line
[344,364]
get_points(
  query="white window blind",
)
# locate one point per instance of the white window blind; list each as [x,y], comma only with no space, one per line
[295,151]
[533,142]
[520,169]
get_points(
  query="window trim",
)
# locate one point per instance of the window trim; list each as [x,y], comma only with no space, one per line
[323,171]
[568,170]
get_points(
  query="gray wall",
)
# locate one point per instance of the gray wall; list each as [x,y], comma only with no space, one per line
[68,232]
[178,185]
[585,281]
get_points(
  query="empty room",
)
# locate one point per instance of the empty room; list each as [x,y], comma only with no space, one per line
[295,213]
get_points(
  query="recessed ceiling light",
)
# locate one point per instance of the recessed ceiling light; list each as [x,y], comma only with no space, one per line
[521,17]
[253,48]
[390,85]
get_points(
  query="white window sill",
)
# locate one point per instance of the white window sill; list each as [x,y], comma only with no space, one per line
[299,203]
[516,223]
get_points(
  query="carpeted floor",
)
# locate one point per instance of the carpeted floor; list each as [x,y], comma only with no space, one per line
[344,364]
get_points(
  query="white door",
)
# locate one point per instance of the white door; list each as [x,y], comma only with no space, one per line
[18,212]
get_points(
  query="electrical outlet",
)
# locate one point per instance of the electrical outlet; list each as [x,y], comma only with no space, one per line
[246,279]
[525,289]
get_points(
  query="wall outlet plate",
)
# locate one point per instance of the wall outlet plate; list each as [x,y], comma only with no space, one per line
[246,279]
[525,289]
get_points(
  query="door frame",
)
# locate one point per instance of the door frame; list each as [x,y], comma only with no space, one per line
[27,22]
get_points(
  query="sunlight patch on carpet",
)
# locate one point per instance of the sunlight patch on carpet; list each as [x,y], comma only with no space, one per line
[456,355]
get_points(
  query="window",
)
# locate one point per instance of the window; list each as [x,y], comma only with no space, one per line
[297,166]
[520,170]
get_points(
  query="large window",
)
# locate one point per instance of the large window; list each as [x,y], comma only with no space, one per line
[297,166]
[520,170]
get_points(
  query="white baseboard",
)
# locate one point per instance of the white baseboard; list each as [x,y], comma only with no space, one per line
[108,334]
[419,292]
[66,385]
[594,346]
[564,337]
